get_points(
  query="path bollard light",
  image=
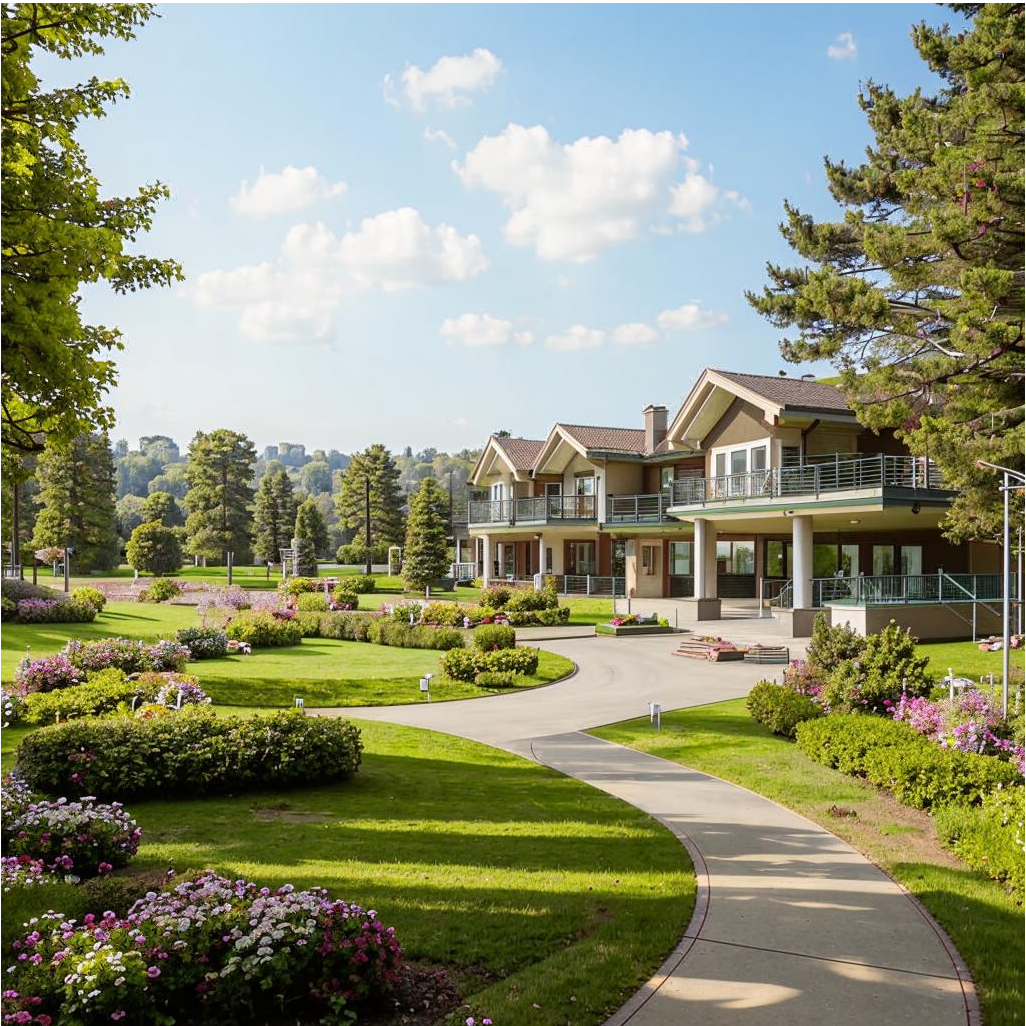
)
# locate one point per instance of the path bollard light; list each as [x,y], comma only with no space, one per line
[178,703]
[425,685]
[657,715]
[300,704]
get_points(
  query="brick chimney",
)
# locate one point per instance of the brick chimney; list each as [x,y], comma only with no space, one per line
[655,426]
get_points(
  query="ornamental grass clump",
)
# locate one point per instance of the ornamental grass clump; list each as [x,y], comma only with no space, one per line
[70,839]
[208,950]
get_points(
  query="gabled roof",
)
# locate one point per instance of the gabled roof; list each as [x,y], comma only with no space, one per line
[799,392]
[607,439]
[517,453]
[521,452]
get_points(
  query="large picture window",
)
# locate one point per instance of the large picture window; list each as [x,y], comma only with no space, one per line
[680,559]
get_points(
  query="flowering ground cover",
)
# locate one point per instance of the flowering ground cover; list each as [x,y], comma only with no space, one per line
[546,900]
[981,918]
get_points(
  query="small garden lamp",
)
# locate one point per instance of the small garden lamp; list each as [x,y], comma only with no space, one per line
[425,685]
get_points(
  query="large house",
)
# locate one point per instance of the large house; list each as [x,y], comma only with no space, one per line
[761,492]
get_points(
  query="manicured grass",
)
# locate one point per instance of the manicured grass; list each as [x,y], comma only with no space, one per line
[326,673]
[979,916]
[125,619]
[549,900]
[966,659]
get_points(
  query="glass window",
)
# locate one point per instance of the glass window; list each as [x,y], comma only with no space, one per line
[775,558]
[586,486]
[665,478]
[680,559]
[721,464]
[744,557]
[619,557]
[548,561]
[824,560]
[759,458]
[739,461]
[649,559]
[849,560]
[911,559]
[582,558]
[883,560]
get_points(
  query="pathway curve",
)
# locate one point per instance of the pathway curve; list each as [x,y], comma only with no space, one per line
[792,925]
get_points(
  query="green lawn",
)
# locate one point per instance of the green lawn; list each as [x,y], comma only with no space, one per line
[327,673]
[549,900]
[979,916]
[966,659]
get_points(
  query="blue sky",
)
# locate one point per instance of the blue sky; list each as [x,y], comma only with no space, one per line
[557,222]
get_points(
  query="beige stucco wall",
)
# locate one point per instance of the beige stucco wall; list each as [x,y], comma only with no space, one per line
[741,423]
[822,440]
[928,622]
[622,478]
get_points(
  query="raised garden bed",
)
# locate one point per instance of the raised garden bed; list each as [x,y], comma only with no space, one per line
[633,630]
[713,650]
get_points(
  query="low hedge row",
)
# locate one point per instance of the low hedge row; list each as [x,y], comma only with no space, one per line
[917,771]
[467,664]
[192,752]
[369,627]
[781,708]
[989,836]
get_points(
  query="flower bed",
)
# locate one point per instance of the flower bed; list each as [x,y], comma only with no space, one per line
[632,625]
[190,752]
[33,610]
[126,654]
[47,674]
[209,950]
[70,839]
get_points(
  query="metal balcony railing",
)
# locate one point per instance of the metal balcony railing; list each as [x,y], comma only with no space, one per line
[841,473]
[539,509]
[889,589]
[637,509]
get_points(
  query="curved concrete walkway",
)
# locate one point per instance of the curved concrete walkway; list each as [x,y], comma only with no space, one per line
[792,925]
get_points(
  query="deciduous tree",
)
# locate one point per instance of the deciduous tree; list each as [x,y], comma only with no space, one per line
[154,549]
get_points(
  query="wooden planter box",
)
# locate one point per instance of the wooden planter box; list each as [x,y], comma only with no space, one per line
[633,630]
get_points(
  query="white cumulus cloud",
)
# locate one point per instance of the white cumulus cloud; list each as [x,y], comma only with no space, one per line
[284,192]
[440,135]
[576,338]
[634,335]
[295,297]
[690,317]
[571,201]
[448,82]
[843,48]
[479,330]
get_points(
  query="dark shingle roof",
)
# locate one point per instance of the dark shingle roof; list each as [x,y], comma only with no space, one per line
[521,452]
[810,395]
[607,439]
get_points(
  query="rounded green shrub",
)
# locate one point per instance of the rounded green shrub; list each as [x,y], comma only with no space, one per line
[493,679]
[460,664]
[311,602]
[780,708]
[162,589]
[89,596]
[264,630]
[831,646]
[489,637]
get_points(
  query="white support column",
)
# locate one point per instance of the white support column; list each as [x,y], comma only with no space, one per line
[541,555]
[801,537]
[459,549]
[499,554]
[705,559]
[486,559]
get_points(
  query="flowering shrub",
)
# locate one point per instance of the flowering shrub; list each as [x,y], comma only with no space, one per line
[126,654]
[71,838]
[801,676]
[189,752]
[627,620]
[47,674]
[166,656]
[203,642]
[262,629]
[209,950]
[33,610]
[22,871]
[179,691]
[13,707]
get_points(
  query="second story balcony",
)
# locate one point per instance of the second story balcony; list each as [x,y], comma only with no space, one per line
[842,472]
[533,510]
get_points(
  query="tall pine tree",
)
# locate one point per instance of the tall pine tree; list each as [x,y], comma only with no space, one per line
[916,296]
[310,526]
[426,553]
[219,496]
[76,498]
[376,465]
[274,515]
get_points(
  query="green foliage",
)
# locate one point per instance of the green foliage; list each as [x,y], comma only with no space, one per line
[203,642]
[493,636]
[274,516]
[374,464]
[917,771]
[492,679]
[103,693]
[90,597]
[887,666]
[780,708]
[916,295]
[191,752]
[219,496]
[426,553]
[304,557]
[446,614]
[346,595]
[354,553]
[161,507]
[524,600]
[311,527]
[9,608]
[154,549]
[831,646]
[496,597]
[989,836]
[311,602]
[298,585]
[398,635]
[264,630]
[363,584]
[163,589]
[541,618]
[466,664]
[460,664]
[60,231]
[76,498]
[129,514]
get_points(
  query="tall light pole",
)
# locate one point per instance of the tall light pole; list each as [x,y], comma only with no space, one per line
[1006,569]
